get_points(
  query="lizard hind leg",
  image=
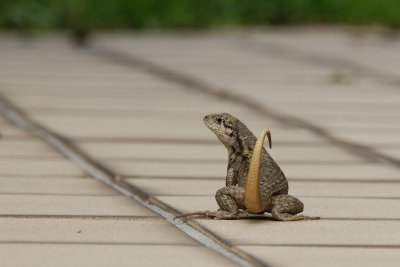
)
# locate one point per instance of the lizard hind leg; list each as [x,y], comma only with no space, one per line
[287,207]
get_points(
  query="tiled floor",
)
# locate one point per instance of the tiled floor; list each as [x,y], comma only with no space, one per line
[150,130]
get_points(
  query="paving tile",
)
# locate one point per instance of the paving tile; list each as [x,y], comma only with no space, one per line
[329,208]
[282,256]
[314,154]
[330,96]
[124,103]
[369,138]
[61,186]
[128,122]
[178,187]
[143,114]
[169,169]
[150,151]
[335,108]
[356,121]
[70,205]
[393,152]
[322,232]
[99,72]
[192,61]
[346,189]
[106,255]
[76,230]
[69,92]
[9,131]
[54,81]
[99,127]
[27,147]
[368,50]
[221,57]
[211,152]
[40,167]
[356,171]
[95,89]
[129,128]
[208,187]
[365,171]
[153,116]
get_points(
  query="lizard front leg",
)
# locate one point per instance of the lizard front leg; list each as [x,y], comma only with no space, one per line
[226,198]
[230,177]
[230,199]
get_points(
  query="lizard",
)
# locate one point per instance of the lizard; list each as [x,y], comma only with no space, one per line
[254,182]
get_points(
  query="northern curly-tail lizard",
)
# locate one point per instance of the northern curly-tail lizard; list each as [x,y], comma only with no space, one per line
[255,184]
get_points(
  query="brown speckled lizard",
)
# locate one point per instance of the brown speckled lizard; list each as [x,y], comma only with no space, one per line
[255,184]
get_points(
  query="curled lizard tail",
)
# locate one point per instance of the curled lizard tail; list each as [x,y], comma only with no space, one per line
[252,195]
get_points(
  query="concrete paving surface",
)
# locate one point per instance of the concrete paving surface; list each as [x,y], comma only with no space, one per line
[135,103]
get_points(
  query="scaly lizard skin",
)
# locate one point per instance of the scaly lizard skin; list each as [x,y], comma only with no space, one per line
[254,182]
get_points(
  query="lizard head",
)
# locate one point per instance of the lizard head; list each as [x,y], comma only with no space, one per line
[223,125]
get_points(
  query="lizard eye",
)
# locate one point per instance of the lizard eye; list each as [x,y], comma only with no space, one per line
[219,120]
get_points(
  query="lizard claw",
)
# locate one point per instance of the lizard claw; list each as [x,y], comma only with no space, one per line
[224,215]
[196,213]
[216,215]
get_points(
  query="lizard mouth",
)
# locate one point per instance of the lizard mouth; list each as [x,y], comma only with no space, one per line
[210,123]
[207,121]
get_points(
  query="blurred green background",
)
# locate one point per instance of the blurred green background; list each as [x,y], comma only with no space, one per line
[83,15]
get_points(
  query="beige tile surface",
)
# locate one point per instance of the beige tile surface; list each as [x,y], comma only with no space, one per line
[392,152]
[133,128]
[38,167]
[45,202]
[54,186]
[208,187]
[324,256]
[328,208]
[6,130]
[25,148]
[388,139]
[367,171]
[212,152]
[356,171]
[323,232]
[103,255]
[370,49]
[88,98]
[149,231]
[138,104]
[70,205]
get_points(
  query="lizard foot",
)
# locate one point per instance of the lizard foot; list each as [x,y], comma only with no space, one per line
[196,213]
[216,215]
[290,217]
[222,215]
